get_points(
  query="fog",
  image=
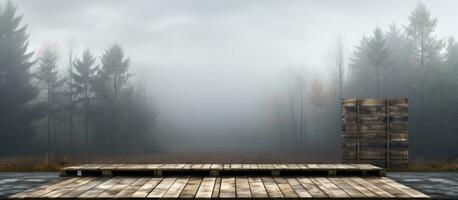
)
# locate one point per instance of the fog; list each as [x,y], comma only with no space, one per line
[212,67]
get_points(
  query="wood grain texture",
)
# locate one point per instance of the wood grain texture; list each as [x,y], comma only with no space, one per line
[224,187]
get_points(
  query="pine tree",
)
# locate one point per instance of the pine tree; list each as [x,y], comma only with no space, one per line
[109,86]
[427,83]
[70,104]
[378,55]
[370,60]
[47,74]
[85,71]
[420,34]
[17,110]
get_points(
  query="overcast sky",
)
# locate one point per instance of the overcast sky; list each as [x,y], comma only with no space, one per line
[217,59]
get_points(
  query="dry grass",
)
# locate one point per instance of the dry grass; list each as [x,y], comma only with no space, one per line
[439,165]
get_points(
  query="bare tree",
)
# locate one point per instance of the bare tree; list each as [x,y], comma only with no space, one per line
[340,62]
[335,59]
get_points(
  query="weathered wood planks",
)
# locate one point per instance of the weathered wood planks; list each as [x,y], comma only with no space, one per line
[220,169]
[375,131]
[225,187]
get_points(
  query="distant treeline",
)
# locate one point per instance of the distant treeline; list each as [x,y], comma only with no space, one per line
[397,62]
[412,62]
[91,107]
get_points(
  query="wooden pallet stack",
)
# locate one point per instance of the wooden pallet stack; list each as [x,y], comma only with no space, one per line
[375,131]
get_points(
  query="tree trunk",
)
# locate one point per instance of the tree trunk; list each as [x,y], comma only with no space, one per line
[48,112]
[293,118]
[301,135]
[86,105]
[378,80]
[113,116]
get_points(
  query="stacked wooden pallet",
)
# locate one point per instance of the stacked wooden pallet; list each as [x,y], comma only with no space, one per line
[375,131]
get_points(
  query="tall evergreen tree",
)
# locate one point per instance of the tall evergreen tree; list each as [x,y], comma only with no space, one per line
[70,106]
[426,72]
[84,73]
[396,77]
[420,34]
[378,55]
[47,74]
[17,111]
[110,86]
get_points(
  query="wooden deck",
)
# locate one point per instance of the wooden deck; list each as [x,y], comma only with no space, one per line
[223,170]
[222,187]
[228,181]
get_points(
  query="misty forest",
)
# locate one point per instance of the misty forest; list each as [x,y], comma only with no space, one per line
[194,86]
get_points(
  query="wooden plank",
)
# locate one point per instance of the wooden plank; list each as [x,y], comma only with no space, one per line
[373,188]
[312,166]
[272,188]
[113,191]
[206,188]
[111,166]
[168,166]
[227,187]
[411,192]
[392,190]
[44,189]
[191,188]
[92,193]
[286,189]
[293,166]
[302,166]
[257,188]
[144,190]
[262,166]
[217,188]
[236,166]
[227,166]
[160,190]
[175,190]
[82,189]
[269,166]
[363,190]
[92,166]
[246,166]
[133,167]
[298,188]
[311,188]
[280,166]
[187,166]
[350,190]
[242,187]
[67,188]
[132,188]
[329,188]
[206,166]
[196,166]
[180,166]
[153,166]
[217,166]
[73,168]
